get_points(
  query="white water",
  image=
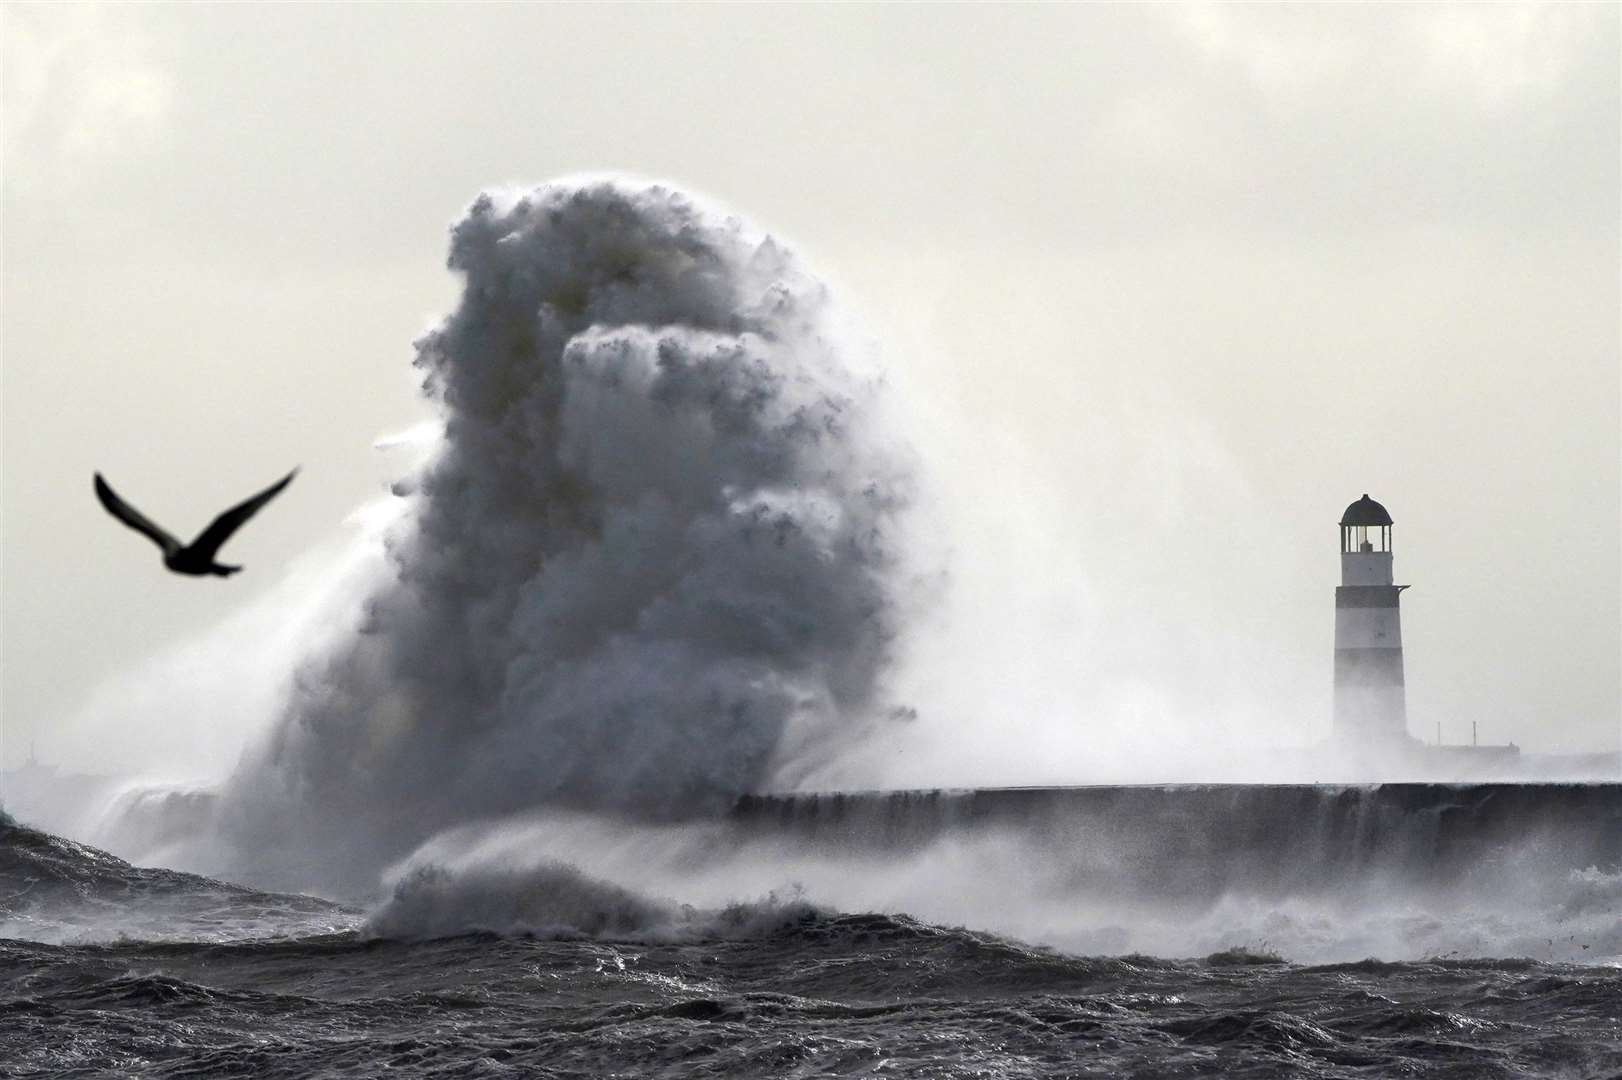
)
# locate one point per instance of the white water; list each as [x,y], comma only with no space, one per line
[552,871]
[655,561]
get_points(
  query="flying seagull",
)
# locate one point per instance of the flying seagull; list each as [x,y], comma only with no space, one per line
[196,558]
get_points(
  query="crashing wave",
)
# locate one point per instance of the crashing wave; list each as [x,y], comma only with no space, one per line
[556,900]
[652,564]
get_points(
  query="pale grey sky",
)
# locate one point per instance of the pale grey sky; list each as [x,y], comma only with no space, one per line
[1163,289]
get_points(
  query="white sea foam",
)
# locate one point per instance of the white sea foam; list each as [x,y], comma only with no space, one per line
[1079,888]
[557,899]
[653,563]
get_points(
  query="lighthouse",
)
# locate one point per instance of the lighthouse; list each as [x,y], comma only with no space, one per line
[1370,706]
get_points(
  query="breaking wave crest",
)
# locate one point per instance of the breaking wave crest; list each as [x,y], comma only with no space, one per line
[557,900]
[56,890]
[652,564]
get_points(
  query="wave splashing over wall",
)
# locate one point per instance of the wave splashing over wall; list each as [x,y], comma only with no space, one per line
[651,566]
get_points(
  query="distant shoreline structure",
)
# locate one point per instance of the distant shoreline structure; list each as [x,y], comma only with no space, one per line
[1175,785]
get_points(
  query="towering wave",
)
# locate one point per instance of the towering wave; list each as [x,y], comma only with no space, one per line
[651,566]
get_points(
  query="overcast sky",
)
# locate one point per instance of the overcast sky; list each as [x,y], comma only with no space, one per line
[1162,289]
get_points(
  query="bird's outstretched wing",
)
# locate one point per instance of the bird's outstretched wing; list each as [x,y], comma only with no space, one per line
[132,517]
[220,529]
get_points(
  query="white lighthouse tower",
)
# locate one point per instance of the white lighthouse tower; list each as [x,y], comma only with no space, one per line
[1371,710]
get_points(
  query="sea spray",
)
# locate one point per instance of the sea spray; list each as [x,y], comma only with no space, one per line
[1095,871]
[653,563]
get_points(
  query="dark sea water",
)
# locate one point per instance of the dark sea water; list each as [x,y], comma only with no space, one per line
[111,970]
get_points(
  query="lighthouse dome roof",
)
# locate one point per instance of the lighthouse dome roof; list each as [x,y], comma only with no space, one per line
[1365,511]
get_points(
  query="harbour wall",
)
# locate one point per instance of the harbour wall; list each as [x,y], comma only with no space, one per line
[1207,840]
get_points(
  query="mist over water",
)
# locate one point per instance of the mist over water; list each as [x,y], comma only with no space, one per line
[652,565]
[1314,875]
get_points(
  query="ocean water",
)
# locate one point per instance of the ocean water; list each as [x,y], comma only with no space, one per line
[110,969]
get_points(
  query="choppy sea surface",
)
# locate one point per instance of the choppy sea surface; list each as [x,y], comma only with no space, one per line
[109,969]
